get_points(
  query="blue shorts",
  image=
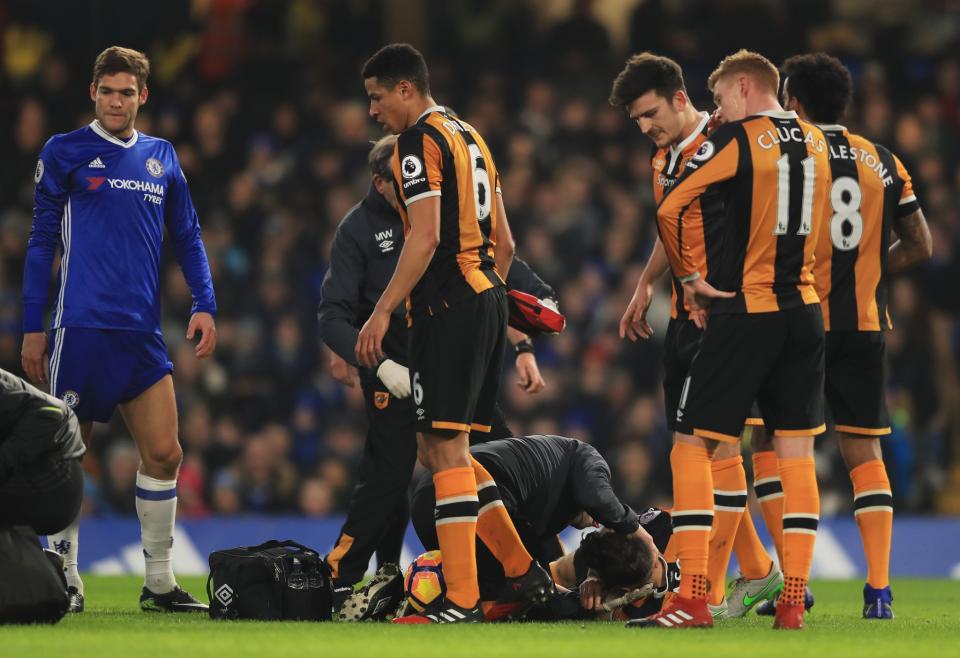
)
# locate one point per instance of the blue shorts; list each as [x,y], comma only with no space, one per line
[94,370]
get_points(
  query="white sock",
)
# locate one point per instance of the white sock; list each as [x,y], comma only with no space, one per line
[66,543]
[157,508]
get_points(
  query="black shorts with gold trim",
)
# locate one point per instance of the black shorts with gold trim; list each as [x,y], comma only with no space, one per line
[855,382]
[456,356]
[776,358]
[680,345]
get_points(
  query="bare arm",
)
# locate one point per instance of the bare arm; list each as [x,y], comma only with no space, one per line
[634,323]
[658,264]
[530,379]
[505,247]
[915,244]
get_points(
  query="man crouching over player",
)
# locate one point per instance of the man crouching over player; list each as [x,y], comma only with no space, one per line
[547,483]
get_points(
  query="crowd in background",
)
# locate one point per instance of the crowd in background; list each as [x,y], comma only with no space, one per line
[265,106]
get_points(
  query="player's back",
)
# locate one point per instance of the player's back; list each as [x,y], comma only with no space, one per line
[781,178]
[869,190]
[443,156]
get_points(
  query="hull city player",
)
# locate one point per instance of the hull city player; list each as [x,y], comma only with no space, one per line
[871,194]
[456,254]
[764,340]
[651,92]
[362,259]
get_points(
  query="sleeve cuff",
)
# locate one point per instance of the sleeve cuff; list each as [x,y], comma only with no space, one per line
[33,318]
[908,208]
[203,308]
[423,195]
[690,277]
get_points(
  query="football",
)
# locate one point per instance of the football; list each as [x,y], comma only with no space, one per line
[423,581]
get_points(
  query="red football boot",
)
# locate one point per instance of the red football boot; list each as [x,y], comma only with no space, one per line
[679,613]
[789,616]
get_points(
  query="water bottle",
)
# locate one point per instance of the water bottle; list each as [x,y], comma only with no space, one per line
[297,579]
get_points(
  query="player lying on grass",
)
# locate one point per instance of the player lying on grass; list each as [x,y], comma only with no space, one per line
[613,575]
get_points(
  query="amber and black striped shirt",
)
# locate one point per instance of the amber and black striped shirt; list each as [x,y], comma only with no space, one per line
[870,190]
[668,164]
[771,175]
[443,156]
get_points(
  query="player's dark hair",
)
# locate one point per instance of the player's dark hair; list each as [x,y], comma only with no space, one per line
[380,156]
[117,59]
[396,62]
[645,72]
[820,83]
[618,560]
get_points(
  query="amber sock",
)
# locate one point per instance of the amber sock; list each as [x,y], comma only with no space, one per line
[751,554]
[801,516]
[873,508]
[769,490]
[729,501]
[692,515]
[456,521]
[496,529]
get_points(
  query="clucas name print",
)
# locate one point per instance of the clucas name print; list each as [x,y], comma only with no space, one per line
[771,137]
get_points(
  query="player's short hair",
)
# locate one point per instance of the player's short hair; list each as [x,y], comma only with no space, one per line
[380,156]
[750,63]
[821,83]
[645,72]
[619,560]
[117,59]
[396,62]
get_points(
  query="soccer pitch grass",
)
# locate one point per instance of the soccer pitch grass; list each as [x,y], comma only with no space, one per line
[927,624]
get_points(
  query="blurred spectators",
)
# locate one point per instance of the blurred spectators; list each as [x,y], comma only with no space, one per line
[264,104]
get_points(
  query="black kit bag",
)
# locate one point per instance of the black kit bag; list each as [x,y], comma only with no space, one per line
[33,588]
[273,581]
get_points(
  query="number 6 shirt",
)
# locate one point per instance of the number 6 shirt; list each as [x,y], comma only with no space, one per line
[441,155]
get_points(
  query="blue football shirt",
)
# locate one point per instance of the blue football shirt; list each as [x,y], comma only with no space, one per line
[105,202]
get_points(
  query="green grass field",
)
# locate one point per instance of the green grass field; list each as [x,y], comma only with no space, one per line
[927,624]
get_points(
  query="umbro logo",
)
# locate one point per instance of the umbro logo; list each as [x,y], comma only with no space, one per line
[97,164]
[384,240]
[224,594]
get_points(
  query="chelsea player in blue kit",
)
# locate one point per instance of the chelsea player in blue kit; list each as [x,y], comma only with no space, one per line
[104,194]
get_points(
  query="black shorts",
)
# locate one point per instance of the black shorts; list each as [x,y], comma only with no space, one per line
[455,361]
[854,382]
[776,358]
[679,347]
